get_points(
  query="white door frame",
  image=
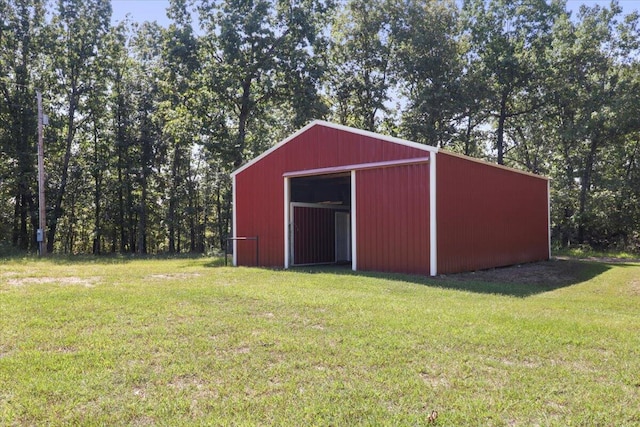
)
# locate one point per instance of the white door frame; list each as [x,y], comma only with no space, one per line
[433,228]
[288,219]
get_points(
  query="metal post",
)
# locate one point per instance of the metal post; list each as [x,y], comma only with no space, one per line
[42,224]
[257,251]
[235,239]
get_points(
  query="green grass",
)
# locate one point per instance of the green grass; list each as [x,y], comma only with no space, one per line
[118,341]
[585,251]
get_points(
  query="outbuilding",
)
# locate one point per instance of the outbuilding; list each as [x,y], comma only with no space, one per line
[335,194]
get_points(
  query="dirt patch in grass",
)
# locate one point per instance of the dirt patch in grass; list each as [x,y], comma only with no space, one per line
[174,276]
[435,381]
[88,282]
[8,274]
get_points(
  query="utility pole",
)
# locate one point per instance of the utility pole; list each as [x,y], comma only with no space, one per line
[42,224]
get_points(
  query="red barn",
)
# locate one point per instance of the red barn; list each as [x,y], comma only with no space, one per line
[334,194]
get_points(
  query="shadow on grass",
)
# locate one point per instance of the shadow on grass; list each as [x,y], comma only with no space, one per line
[516,281]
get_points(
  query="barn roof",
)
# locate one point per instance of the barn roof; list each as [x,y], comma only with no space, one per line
[378,136]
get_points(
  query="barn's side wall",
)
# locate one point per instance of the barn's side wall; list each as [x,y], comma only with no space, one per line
[259,188]
[488,216]
[393,219]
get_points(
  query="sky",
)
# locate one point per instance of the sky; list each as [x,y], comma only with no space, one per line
[155,10]
[140,10]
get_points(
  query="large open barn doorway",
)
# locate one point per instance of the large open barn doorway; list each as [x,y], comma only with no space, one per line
[320,219]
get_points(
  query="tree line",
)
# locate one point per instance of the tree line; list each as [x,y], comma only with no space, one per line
[146,122]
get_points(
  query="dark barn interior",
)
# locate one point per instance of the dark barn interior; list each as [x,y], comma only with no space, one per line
[321,234]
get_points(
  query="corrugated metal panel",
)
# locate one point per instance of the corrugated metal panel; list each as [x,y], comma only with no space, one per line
[259,213]
[488,217]
[259,188]
[314,235]
[393,219]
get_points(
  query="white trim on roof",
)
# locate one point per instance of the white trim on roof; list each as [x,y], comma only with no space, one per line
[379,136]
[274,148]
[339,127]
[361,166]
[495,165]
[375,135]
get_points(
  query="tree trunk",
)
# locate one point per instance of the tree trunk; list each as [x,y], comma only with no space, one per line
[24,172]
[222,241]
[467,137]
[178,239]
[21,130]
[142,224]
[585,188]
[133,232]
[24,195]
[502,118]
[121,214]
[97,174]
[172,217]
[193,221]
[243,118]
[59,198]
[131,218]
[226,215]
[146,160]
[114,239]
[172,229]
[201,220]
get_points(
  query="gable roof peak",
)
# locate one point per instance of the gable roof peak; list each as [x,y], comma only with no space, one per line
[342,128]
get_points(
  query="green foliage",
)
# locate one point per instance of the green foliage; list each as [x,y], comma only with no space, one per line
[592,115]
[259,57]
[508,39]
[431,79]
[146,122]
[77,34]
[361,52]
[21,50]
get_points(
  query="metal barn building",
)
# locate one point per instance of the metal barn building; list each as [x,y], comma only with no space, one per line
[334,194]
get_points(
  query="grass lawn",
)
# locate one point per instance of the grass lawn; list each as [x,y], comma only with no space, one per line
[189,342]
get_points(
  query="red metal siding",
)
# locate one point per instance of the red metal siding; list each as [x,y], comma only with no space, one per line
[314,235]
[392,215]
[259,207]
[487,216]
[259,188]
